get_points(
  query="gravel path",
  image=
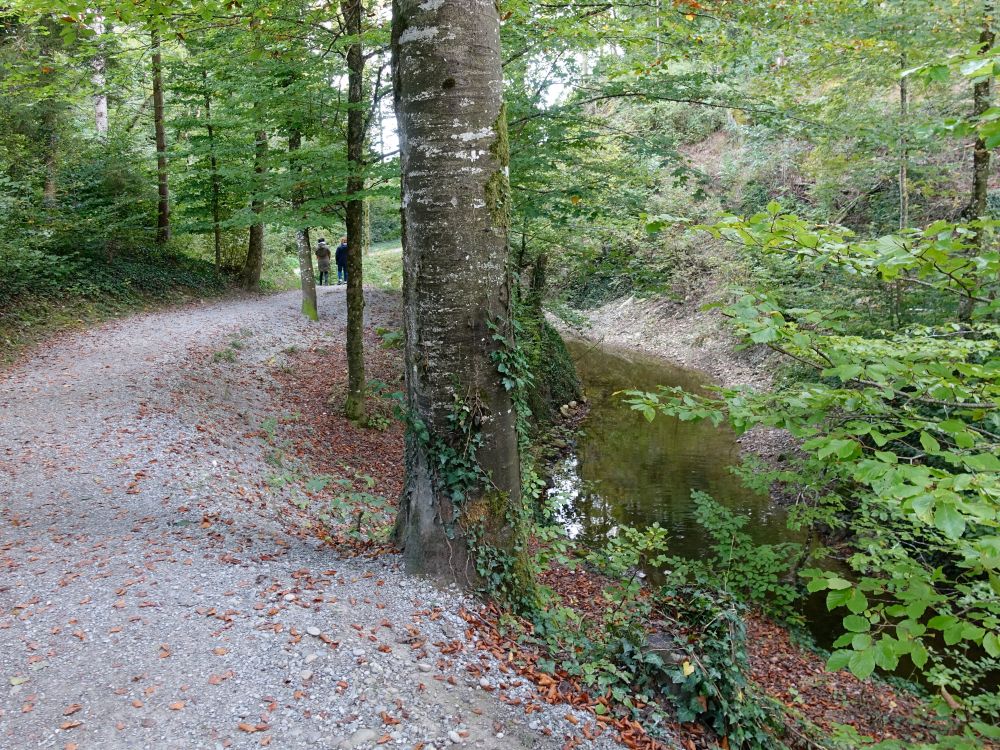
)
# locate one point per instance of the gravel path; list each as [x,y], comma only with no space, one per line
[151,594]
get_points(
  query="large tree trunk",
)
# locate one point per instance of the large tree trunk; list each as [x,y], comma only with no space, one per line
[981,96]
[306,277]
[213,163]
[456,293]
[99,79]
[254,263]
[355,406]
[163,189]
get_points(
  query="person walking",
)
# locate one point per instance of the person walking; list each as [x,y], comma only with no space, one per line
[323,261]
[342,261]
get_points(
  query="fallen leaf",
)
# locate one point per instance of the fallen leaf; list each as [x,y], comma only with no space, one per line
[176,706]
[72,709]
[70,724]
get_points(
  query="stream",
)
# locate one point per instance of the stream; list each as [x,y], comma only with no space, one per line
[626,471]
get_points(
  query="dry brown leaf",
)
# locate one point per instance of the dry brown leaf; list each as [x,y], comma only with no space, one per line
[72,709]
[176,706]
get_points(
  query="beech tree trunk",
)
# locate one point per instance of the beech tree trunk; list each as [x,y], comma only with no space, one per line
[254,263]
[981,97]
[214,172]
[355,406]
[162,186]
[456,290]
[306,277]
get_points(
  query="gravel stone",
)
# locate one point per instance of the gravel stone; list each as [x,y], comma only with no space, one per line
[143,544]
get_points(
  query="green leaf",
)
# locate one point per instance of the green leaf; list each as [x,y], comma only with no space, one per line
[862,663]
[992,644]
[949,520]
[929,443]
[857,624]
[983,462]
[838,660]
[858,602]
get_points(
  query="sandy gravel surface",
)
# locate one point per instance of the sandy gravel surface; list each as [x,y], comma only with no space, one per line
[153,593]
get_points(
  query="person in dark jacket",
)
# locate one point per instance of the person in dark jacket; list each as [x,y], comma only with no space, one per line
[323,261]
[341,257]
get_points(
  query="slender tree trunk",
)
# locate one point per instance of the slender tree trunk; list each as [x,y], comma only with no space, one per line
[213,163]
[456,293]
[981,97]
[50,123]
[904,151]
[355,406]
[366,227]
[99,79]
[254,264]
[904,180]
[306,277]
[162,186]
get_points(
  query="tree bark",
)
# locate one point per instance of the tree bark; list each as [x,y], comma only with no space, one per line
[306,277]
[355,405]
[254,263]
[162,186]
[456,291]
[214,172]
[981,97]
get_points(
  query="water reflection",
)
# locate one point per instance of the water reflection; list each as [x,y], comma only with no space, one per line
[628,471]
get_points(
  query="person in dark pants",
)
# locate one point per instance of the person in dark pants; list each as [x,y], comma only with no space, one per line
[323,261]
[342,261]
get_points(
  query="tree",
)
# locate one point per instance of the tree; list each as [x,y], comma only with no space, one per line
[982,91]
[254,264]
[306,277]
[214,167]
[462,486]
[163,188]
[354,210]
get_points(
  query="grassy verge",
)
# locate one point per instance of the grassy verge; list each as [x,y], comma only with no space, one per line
[87,291]
[384,266]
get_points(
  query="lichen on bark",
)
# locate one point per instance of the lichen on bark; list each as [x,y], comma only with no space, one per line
[498,195]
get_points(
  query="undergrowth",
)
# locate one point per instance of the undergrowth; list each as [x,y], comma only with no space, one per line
[42,293]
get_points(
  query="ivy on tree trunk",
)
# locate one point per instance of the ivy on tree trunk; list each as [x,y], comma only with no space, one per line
[462,488]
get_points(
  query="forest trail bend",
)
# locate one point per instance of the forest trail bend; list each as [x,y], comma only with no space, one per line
[151,592]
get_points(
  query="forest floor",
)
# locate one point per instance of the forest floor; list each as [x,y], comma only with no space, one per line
[165,581]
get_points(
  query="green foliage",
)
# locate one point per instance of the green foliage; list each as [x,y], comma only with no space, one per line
[901,427]
[757,574]
[712,684]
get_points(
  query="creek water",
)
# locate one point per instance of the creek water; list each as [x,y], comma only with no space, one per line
[627,471]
